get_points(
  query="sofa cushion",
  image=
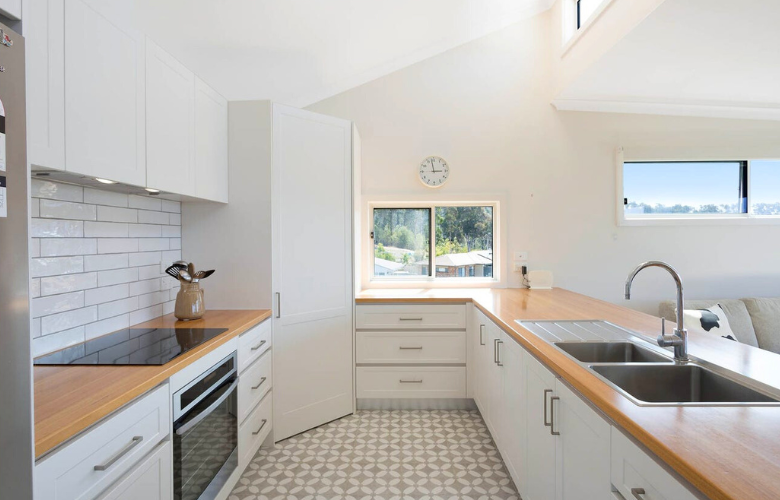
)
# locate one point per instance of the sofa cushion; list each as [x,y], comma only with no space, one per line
[736,312]
[765,314]
[711,320]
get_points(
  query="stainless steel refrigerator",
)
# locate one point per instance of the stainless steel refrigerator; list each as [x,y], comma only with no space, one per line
[16,429]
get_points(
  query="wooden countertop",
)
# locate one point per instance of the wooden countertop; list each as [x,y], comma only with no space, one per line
[726,452]
[69,399]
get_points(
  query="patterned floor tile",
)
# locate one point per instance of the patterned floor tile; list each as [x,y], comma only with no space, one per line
[383,455]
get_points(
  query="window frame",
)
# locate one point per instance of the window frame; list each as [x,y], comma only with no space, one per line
[747,218]
[372,281]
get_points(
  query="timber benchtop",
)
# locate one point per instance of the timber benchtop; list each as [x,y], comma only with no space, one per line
[725,452]
[69,399]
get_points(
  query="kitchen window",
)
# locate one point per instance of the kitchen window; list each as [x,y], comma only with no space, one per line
[668,192]
[433,242]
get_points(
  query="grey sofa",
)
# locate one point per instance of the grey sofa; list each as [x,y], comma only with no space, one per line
[755,322]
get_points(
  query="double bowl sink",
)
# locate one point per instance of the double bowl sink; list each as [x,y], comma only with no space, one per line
[649,376]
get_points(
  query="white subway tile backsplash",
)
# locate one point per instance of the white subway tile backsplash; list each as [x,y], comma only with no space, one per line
[106,294]
[101,197]
[145,231]
[35,288]
[171,206]
[105,262]
[107,326]
[68,283]
[149,272]
[152,299]
[171,231]
[59,247]
[35,208]
[168,307]
[56,191]
[116,214]
[106,230]
[117,245]
[145,258]
[35,248]
[35,328]
[142,287]
[51,304]
[145,202]
[152,244]
[55,266]
[175,243]
[145,314]
[43,228]
[175,219]
[57,340]
[111,309]
[149,217]
[170,257]
[66,320]
[56,209]
[108,278]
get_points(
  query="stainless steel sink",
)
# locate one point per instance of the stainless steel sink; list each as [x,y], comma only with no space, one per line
[675,384]
[611,352]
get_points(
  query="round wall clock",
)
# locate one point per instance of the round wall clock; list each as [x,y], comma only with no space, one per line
[434,171]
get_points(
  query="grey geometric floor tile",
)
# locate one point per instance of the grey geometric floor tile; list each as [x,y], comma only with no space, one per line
[383,455]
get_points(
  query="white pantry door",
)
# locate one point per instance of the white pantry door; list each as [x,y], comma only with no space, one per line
[312,270]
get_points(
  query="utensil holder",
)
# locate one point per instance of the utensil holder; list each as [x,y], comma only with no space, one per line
[190,302]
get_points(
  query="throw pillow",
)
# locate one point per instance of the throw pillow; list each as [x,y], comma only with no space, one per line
[712,320]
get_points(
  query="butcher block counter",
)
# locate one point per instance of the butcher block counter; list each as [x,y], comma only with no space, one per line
[725,452]
[69,399]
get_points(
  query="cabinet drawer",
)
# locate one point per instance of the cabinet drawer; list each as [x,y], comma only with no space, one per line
[411,316]
[411,382]
[411,347]
[253,384]
[254,430]
[115,446]
[632,468]
[152,479]
[253,343]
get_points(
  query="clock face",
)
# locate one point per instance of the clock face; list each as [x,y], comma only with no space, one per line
[434,171]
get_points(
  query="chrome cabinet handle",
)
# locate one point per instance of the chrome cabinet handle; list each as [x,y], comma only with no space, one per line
[410,319]
[258,346]
[255,433]
[410,348]
[278,304]
[552,416]
[498,352]
[638,493]
[262,381]
[410,381]
[546,423]
[124,451]
[208,411]
[481,332]
[495,351]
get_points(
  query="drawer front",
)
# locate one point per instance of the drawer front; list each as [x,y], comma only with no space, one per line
[411,316]
[411,382]
[152,479]
[411,347]
[254,430]
[633,469]
[115,445]
[253,343]
[253,384]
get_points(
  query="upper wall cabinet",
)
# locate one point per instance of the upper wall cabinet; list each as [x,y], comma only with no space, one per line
[170,123]
[211,144]
[104,92]
[11,8]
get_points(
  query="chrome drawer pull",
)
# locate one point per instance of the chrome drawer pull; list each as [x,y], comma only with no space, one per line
[411,381]
[410,319]
[481,332]
[258,346]
[261,427]
[262,381]
[135,442]
[552,416]
[410,348]
[498,352]
[638,493]
[546,423]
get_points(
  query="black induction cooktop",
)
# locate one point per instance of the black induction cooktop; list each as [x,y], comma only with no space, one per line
[132,346]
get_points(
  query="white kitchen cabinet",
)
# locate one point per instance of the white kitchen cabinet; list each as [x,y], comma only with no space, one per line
[583,447]
[492,384]
[211,144]
[170,123]
[152,479]
[105,92]
[11,8]
[540,441]
[512,408]
[481,364]
[44,27]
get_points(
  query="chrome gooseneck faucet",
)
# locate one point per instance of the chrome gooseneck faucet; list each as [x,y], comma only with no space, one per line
[680,338]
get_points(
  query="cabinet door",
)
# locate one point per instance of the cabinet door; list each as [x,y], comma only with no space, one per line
[478,343]
[11,8]
[152,479]
[44,29]
[170,122]
[493,383]
[540,442]
[104,91]
[211,144]
[512,406]
[583,451]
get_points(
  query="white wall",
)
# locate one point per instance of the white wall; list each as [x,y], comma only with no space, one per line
[485,108]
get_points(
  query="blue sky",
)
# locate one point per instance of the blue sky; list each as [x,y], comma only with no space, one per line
[699,183]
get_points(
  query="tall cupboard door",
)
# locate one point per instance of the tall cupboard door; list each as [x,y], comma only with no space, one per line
[211,144]
[492,383]
[540,461]
[105,88]
[312,269]
[170,123]
[477,363]
[583,448]
[513,407]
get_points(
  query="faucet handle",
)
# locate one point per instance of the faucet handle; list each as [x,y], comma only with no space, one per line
[663,326]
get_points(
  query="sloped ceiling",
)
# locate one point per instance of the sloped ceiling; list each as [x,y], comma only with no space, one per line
[301,51]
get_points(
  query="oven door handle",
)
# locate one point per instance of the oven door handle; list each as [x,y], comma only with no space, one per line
[195,421]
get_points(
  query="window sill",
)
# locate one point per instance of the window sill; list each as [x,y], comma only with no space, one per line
[433,283]
[755,220]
